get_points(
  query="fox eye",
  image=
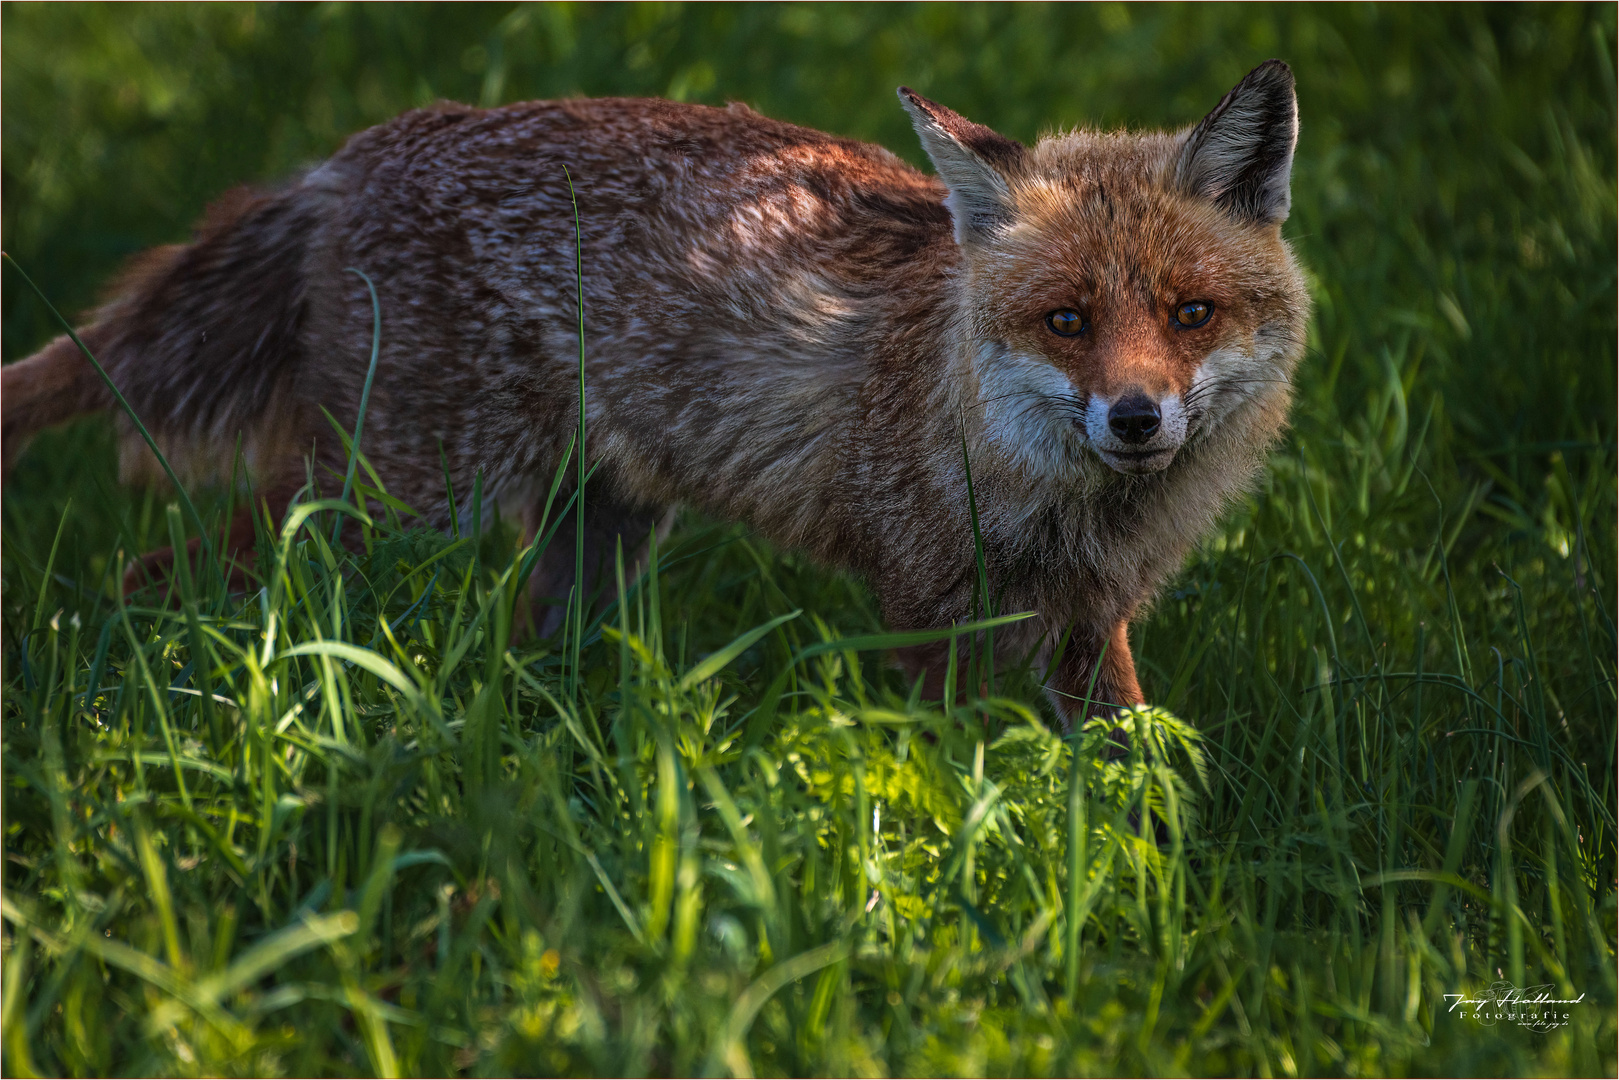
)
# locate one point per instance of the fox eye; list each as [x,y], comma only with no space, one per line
[1066,322]
[1192,314]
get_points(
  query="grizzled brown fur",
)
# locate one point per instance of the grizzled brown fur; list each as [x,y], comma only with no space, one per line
[782,327]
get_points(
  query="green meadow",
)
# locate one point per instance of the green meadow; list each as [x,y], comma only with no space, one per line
[353,822]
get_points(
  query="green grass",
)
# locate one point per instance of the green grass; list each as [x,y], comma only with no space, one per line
[352,824]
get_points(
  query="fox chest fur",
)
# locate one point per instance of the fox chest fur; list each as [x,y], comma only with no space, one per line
[780,327]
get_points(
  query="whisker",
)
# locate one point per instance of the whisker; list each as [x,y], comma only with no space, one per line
[1006,397]
[1198,393]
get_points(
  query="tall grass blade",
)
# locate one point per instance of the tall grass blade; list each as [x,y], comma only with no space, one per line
[365,398]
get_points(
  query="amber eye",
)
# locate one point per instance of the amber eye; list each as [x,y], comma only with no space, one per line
[1193,313]
[1067,322]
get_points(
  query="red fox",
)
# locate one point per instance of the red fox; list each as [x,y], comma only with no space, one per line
[782,327]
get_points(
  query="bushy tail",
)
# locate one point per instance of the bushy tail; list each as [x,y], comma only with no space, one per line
[51,387]
[202,339]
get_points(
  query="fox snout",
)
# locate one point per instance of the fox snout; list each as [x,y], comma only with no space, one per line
[1135,419]
[1136,432]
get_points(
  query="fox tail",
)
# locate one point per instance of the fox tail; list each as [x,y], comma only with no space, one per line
[202,340]
[55,385]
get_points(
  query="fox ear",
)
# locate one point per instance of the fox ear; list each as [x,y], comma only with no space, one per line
[972,160]
[1241,154]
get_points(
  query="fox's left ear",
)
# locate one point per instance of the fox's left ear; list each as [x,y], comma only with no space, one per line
[973,161]
[1241,154]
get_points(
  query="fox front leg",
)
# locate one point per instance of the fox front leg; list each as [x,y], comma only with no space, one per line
[607,526]
[1094,676]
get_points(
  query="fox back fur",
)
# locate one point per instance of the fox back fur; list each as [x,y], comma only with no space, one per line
[782,327]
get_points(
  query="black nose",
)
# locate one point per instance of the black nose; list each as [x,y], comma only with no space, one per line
[1134,418]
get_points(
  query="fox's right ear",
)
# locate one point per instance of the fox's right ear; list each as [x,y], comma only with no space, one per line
[972,160]
[1241,154]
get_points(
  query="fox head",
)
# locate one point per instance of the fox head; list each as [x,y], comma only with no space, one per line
[1124,295]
